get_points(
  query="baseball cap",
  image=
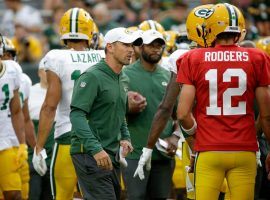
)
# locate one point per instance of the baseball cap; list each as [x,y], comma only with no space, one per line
[123,35]
[151,35]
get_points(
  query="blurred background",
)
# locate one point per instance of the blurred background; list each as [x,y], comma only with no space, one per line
[32,25]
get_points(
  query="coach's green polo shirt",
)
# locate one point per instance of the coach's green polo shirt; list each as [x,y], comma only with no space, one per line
[98,109]
[152,86]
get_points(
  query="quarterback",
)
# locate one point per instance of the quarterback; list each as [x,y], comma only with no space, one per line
[224,93]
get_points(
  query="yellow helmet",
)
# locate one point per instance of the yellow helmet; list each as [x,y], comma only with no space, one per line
[224,18]
[170,38]
[195,23]
[76,23]
[133,28]
[95,37]
[264,44]
[151,24]
[8,45]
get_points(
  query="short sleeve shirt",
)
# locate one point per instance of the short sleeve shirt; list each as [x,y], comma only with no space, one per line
[225,78]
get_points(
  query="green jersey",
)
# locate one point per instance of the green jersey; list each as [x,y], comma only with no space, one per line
[152,86]
[98,109]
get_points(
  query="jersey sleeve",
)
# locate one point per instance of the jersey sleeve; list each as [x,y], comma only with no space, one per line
[51,62]
[85,92]
[172,64]
[28,84]
[264,75]
[18,74]
[184,72]
[173,58]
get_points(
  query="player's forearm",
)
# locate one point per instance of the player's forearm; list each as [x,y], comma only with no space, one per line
[46,120]
[18,125]
[17,117]
[158,124]
[190,141]
[265,123]
[30,133]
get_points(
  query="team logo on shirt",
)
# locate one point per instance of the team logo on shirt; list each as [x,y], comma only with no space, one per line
[164,83]
[126,89]
[83,84]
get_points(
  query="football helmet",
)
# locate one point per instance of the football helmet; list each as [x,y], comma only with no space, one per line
[76,23]
[224,18]
[9,47]
[170,38]
[95,37]
[264,44]
[133,28]
[151,24]
[195,23]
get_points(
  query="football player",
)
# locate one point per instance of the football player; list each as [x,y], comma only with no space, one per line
[224,80]
[10,182]
[63,67]
[9,53]
[151,24]
[194,22]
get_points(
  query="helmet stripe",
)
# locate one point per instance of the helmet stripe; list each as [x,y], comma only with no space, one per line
[152,24]
[74,20]
[70,20]
[77,19]
[236,16]
[229,13]
[233,15]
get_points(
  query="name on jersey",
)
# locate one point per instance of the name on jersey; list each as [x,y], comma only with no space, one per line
[226,56]
[85,58]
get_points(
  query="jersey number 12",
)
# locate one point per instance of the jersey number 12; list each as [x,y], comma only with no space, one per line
[226,108]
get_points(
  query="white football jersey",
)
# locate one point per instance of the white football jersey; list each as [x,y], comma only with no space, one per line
[164,63]
[173,58]
[24,90]
[9,81]
[37,96]
[68,65]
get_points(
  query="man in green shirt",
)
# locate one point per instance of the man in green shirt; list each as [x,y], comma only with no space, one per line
[149,79]
[98,109]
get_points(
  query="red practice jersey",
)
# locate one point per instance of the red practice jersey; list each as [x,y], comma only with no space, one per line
[225,78]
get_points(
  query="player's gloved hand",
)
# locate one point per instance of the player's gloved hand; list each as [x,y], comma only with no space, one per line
[39,162]
[22,155]
[145,159]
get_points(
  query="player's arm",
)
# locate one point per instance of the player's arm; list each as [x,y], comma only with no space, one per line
[29,126]
[263,99]
[164,111]
[48,109]
[184,112]
[17,117]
